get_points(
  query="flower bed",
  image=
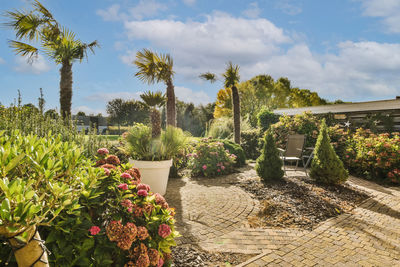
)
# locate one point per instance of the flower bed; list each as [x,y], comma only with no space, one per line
[374,156]
[210,159]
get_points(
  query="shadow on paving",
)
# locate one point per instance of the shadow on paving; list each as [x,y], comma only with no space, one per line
[174,199]
[372,230]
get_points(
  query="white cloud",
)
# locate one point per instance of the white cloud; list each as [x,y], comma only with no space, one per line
[2,61]
[388,10]
[253,11]
[355,70]
[189,2]
[111,14]
[144,9]
[37,66]
[287,7]
[105,97]
[205,46]
[128,57]
[188,95]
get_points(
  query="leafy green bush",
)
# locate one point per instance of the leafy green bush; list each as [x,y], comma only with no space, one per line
[237,150]
[142,146]
[269,164]
[374,156]
[210,159]
[29,121]
[326,167]
[251,142]
[222,128]
[304,123]
[36,186]
[266,118]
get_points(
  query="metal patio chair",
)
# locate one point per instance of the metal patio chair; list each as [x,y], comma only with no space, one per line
[294,150]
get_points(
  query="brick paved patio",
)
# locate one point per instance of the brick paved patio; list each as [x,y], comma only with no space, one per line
[212,213]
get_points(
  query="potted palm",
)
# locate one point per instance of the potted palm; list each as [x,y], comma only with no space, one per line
[151,149]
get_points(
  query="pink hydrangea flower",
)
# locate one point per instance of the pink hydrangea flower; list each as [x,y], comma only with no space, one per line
[223,167]
[123,186]
[164,230]
[204,167]
[142,193]
[107,171]
[143,187]
[126,203]
[126,175]
[219,170]
[94,230]
[160,262]
[103,151]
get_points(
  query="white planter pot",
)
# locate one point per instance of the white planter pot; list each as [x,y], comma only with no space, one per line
[154,173]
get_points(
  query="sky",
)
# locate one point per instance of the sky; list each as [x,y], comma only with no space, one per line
[342,49]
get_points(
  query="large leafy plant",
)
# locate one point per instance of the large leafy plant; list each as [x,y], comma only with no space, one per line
[127,225]
[210,159]
[36,186]
[140,144]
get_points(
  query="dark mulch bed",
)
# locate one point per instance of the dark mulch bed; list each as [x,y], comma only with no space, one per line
[192,256]
[300,202]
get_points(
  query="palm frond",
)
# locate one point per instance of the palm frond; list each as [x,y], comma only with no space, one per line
[24,49]
[153,99]
[25,25]
[231,75]
[42,10]
[208,76]
[146,62]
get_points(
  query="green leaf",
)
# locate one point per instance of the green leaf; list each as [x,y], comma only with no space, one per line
[14,162]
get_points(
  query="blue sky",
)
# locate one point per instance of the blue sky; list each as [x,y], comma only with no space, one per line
[347,49]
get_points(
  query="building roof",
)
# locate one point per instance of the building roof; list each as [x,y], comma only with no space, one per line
[381,105]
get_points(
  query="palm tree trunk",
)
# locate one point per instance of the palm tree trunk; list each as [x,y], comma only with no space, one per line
[236,114]
[155,123]
[171,108]
[32,254]
[65,89]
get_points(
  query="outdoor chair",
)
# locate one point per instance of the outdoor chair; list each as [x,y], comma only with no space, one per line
[294,150]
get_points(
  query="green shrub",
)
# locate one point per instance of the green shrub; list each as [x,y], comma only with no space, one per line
[374,156]
[222,128]
[237,150]
[326,167]
[251,142]
[269,164]
[142,146]
[266,118]
[36,186]
[28,121]
[210,159]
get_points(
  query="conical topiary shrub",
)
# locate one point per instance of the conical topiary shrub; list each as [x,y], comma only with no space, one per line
[326,166]
[269,164]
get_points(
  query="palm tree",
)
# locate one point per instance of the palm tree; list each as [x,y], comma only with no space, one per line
[231,78]
[57,42]
[154,101]
[152,68]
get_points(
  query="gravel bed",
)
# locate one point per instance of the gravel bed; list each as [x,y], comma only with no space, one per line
[192,256]
[299,202]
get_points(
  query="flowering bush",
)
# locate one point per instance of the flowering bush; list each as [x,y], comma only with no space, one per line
[210,159]
[121,223]
[374,156]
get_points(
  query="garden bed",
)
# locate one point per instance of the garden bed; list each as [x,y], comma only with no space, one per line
[299,201]
[191,255]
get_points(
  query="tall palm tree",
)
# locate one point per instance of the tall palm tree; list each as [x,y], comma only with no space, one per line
[57,42]
[231,78]
[152,68]
[154,101]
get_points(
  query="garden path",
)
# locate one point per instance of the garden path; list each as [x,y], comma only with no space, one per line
[369,236]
